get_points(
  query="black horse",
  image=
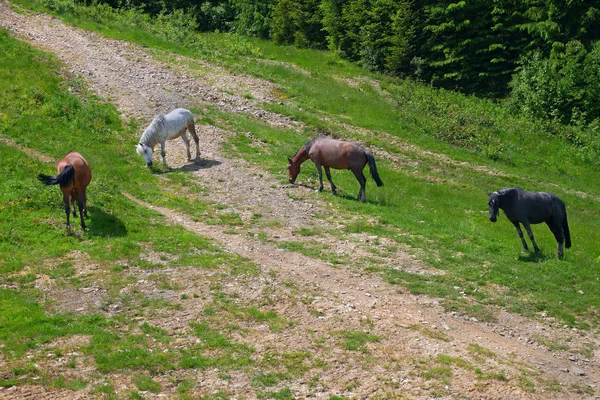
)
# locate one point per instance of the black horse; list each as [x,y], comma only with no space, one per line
[521,206]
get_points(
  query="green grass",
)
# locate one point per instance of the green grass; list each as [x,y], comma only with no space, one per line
[39,113]
[434,205]
[357,340]
[24,325]
[146,383]
[443,208]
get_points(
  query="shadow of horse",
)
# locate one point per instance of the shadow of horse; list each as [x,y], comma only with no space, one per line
[340,193]
[105,224]
[534,257]
[204,164]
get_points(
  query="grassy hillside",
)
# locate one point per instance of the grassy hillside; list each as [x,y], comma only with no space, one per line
[435,204]
[437,153]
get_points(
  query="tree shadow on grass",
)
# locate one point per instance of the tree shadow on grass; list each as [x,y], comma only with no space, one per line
[105,224]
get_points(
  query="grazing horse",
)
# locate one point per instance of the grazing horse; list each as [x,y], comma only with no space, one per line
[521,206]
[168,127]
[331,153]
[74,175]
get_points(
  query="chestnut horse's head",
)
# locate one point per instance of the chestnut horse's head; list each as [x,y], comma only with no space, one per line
[293,170]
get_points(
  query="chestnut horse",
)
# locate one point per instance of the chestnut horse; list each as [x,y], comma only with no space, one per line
[331,153]
[74,175]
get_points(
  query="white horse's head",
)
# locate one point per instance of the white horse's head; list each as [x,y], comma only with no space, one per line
[146,152]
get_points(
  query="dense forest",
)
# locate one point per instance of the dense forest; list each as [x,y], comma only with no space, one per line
[543,55]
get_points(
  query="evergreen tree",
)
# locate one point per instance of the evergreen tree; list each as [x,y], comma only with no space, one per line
[332,22]
[403,41]
[252,17]
[551,21]
[298,22]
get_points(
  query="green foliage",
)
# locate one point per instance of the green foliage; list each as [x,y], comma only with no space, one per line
[252,17]
[297,22]
[564,87]
[376,36]
[470,46]
[552,21]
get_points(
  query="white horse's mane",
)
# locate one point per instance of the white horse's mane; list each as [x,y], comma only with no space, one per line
[152,135]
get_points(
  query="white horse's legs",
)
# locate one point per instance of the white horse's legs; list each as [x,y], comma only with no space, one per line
[186,140]
[192,128]
[163,153]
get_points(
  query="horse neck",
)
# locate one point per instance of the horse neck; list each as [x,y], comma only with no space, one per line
[150,135]
[301,156]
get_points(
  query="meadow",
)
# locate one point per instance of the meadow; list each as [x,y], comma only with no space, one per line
[446,150]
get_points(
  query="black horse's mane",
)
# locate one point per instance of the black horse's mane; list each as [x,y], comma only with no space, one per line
[510,191]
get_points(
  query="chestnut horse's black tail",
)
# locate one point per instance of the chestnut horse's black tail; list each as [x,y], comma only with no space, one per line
[373,168]
[65,178]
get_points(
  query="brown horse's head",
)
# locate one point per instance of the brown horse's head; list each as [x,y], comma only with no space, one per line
[293,170]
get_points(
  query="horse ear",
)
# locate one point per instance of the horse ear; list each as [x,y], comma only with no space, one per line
[488,193]
[289,160]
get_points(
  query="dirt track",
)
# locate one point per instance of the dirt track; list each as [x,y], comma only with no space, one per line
[142,87]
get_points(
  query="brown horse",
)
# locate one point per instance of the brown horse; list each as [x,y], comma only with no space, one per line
[331,153]
[74,175]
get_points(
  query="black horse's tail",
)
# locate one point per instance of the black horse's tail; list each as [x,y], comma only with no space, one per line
[65,178]
[373,168]
[567,233]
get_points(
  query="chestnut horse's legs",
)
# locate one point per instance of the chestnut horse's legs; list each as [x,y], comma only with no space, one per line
[73,209]
[82,209]
[67,200]
[81,214]
[320,172]
[328,173]
[363,182]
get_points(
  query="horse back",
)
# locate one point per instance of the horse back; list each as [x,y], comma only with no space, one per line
[178,119]
[537,207]
[337,154]
[83,173]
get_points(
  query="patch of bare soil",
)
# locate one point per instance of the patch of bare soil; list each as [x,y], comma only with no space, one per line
[504,357]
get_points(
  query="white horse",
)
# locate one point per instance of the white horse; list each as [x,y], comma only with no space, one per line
[168,127]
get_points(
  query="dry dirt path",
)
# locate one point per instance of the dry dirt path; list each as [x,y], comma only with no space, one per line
[411,327]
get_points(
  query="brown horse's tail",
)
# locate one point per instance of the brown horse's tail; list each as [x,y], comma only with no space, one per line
[65,178]
[373,168]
